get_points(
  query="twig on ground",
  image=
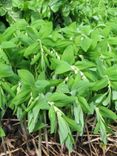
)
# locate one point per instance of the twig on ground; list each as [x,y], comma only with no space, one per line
[4,146]
[7,152]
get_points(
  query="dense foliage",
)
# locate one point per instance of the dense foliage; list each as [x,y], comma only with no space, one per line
[58,65]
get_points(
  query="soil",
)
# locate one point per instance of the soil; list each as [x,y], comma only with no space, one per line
[19,143]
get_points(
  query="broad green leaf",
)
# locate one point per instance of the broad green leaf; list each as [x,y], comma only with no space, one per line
[20,98]
[26,77]
[72,124]
[103,132]
[112,40]
[8,89]
[20,24]
[114,85]
[3,57]
[62,67]
[33,117]
[63,129]
[95,36]
[60,99]
[107,113]
[7,34]
[8,44]
[54,5]
[41,85]
[33,33]
[81,87]
[69,143]
[52,117]
[85,43]
[112,73]
[62,88]
[107,99]
[84,64]
[101,126]
[101,67]
[68,55]
[83,102]
[99,84]
[5,70]
[100,98]
[40,102]
[32,49]
[17,3]
[79,116]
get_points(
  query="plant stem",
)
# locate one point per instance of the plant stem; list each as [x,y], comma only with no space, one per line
[46,133]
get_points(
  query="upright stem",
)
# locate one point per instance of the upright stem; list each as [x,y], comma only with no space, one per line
[46,133]
[25,134]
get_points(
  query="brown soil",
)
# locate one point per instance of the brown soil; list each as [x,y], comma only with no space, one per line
[18,143]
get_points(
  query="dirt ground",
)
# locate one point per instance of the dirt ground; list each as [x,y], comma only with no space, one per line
[18,143]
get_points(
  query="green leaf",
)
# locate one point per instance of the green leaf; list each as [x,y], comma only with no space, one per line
[83,102]
[101,126]
[7,88]
[80,87]
[72,124]
[26,77]
[103,132]
[62,88]
[112,40]
[52,117]
[41,85]
[107,99]
[79,116]
[20,98]
[101,67]
[69,143]
[114,95]
[33,118]
[32,49]
[2,133]
[8,44]
[61,99]
[85,43]
[112,73]
[3,57]
[107,113]
[39,101]
[95,36]
[5,70]
[54,5]
[62,67]
[63,129]
[68,55]
[100,84]
[100,98]
[33,33]
[84,64]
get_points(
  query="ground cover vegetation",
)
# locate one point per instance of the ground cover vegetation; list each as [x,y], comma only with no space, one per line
[58,69]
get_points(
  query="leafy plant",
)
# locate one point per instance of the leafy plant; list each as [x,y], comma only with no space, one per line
[67,72]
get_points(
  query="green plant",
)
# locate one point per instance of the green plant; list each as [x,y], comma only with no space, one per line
[63,73]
